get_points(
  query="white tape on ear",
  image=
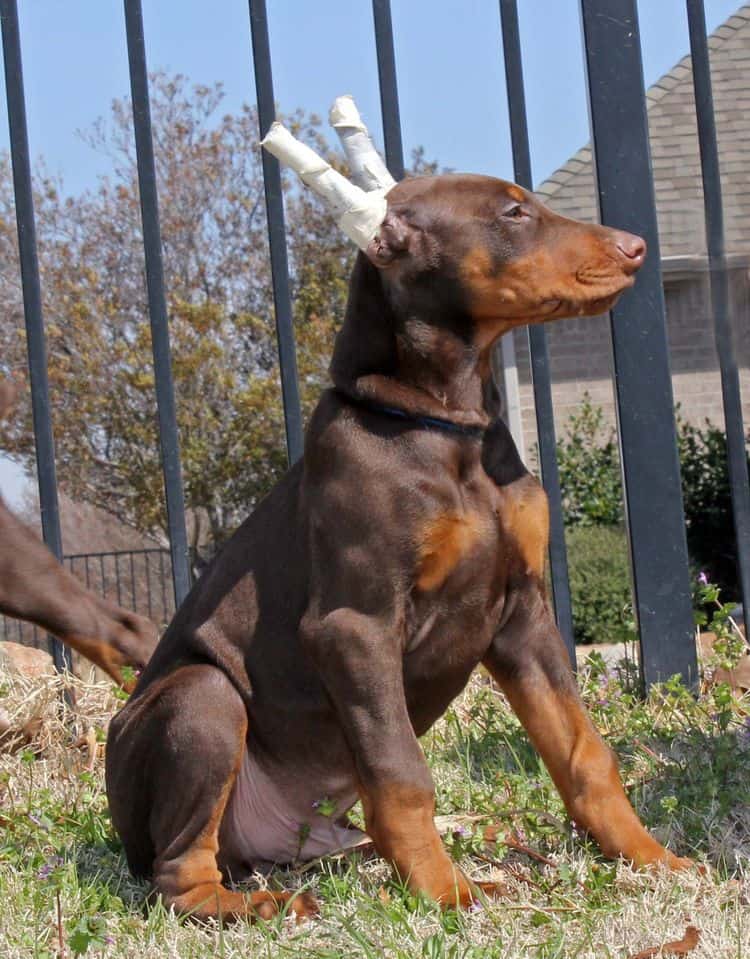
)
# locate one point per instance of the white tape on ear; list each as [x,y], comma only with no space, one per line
[359,214]
[367,166]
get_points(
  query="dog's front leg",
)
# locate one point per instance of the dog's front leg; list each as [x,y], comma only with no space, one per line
[529,661]
[36,588]
[359,660]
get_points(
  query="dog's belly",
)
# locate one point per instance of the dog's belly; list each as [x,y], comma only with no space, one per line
[267,823]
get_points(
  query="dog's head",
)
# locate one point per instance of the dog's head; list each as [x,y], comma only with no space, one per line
[497,254]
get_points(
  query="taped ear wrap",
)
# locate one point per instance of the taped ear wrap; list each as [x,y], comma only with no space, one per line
[366,165]
[359,214]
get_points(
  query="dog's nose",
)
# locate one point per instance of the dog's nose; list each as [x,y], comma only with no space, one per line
[632,247]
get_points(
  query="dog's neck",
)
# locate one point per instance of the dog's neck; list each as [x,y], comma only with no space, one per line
[408,356]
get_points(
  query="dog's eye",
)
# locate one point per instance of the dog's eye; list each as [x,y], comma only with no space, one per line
[516,212]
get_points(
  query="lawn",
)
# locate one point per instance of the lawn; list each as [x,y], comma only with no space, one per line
[65,888]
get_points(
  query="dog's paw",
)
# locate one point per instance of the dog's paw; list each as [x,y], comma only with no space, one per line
[301,905]
[493,890]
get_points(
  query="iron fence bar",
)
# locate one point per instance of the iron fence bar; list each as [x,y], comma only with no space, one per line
[32,297]
[132,583]
[117,580]
[386,55]
[163,587]
[538,351]
[147,563]
[720,299]
[276,234]
[645,410]
[114,552]
[157,305]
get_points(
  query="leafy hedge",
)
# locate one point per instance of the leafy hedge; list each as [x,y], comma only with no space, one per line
[708,505]
[589,467]
[599,583]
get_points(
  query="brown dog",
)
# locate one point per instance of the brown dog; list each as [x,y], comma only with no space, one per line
[36,588]
[349,610]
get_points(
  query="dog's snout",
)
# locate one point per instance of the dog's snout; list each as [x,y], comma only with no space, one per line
[632,247]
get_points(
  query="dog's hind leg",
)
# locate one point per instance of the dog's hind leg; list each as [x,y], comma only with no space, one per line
[173,755]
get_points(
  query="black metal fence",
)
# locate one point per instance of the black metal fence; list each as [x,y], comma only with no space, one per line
[642,377]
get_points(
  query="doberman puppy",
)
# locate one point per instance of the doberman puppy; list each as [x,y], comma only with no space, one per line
[406,548]
[36,588]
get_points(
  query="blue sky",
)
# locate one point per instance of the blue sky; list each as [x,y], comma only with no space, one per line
[449,64]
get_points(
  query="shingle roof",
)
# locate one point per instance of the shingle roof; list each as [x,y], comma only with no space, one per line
[674,150]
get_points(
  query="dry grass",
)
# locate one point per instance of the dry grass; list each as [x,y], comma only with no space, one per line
[65,887]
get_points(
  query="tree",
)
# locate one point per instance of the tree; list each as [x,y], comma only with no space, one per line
[220,313]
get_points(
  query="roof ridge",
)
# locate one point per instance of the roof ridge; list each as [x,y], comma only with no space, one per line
[659,89]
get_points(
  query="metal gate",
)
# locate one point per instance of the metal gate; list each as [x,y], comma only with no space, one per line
[662,596]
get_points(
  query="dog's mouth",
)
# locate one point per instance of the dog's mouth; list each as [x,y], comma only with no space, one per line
[588,306]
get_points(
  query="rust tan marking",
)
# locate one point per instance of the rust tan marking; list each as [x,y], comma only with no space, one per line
[525,515]
[515,193]
[445,541]
[582,767]
[103,655]
[574,275]
[400,820]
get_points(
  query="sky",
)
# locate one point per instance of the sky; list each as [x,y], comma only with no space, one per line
[448,61]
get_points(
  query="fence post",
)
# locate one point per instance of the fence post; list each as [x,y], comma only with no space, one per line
[389,108]
[642,376]
[538,352]
[730,378]
[32,296]
[276,233]
[157,305]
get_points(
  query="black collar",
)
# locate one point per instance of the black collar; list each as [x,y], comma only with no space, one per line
[418,419]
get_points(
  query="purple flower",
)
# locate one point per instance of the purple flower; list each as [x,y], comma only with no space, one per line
[702,578]
[461,832]
[36,820]
[476,906]
[49,867]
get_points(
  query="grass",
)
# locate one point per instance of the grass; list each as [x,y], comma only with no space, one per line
[65,888]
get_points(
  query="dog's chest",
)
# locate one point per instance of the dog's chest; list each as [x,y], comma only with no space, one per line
[469,557]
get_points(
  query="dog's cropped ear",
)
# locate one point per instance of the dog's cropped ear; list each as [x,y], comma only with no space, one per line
[393,240]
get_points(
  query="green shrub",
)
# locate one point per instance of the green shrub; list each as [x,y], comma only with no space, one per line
[599,583]
[708,504]
[591,487]
[589,465]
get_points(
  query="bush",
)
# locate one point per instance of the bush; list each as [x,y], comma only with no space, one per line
[598,566]
[708,504]
[591,486]
[589,465]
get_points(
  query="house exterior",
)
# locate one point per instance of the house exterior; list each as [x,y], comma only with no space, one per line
[580,349]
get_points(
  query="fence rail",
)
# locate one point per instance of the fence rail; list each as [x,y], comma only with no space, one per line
[642,376]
